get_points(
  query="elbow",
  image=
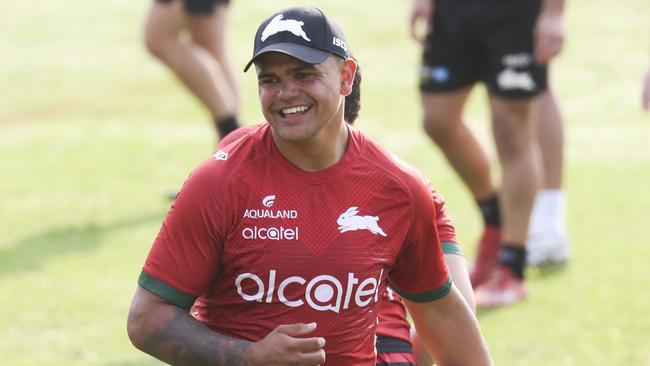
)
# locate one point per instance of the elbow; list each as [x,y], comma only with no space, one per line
[134,327]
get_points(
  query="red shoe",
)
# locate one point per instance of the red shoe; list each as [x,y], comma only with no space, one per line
[487,254]
[502,289]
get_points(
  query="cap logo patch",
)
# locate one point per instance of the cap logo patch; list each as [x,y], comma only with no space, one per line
[340,43]
[278,25]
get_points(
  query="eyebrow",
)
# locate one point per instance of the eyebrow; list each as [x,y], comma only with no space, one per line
[263,75]
[303,67]
[290,71]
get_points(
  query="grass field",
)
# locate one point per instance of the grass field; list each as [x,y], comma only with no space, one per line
[93,132]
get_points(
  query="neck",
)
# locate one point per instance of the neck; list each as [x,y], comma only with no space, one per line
[319,152]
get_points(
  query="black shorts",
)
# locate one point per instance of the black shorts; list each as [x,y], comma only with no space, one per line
[483,40]
[394,352]
[199,7]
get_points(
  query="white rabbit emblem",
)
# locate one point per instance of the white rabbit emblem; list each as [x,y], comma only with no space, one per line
[350,221]
[278,24]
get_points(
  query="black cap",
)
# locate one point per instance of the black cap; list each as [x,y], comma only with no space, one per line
[301,32]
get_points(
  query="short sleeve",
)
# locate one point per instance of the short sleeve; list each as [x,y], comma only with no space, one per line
[420,273]
[186,254]
[446,230]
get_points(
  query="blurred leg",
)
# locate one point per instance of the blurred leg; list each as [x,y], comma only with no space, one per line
[550,135]
[193,65]
[210,32]
[513,133]
[547,238]
[443,122]
[513,123]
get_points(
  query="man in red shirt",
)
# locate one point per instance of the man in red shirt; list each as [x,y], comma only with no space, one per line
[285,238]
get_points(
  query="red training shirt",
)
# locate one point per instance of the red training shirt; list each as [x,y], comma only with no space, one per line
[254,242]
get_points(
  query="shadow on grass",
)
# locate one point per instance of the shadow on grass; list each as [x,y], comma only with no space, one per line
[32,252]
[546,271]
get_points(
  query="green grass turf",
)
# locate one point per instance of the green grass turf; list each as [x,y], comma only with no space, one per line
[93,132]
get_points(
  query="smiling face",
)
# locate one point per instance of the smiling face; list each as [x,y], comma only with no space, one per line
[303,102]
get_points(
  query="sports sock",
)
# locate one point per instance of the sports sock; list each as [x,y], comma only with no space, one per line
[548,212]
[490,210]
[513,257]
[226,125]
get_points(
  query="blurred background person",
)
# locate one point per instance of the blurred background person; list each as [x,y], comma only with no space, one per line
[506,45]
[189,36]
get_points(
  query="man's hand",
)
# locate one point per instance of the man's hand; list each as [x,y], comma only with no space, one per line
[549,36]
[284,346]
[421,12]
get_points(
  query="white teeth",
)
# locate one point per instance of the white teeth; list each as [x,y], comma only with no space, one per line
[293,110]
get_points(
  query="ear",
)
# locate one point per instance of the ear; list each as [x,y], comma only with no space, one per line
[348,70]
[352,210]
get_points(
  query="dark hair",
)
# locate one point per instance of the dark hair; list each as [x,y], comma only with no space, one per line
[353,101]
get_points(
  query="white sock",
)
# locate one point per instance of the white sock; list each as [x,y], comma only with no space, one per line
[548,212]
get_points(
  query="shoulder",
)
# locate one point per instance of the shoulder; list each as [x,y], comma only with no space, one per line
[390,164]
[404,181]
[238,133]
[233,153]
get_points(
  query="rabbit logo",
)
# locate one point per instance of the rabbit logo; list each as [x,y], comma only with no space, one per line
[278,25]
[350,221]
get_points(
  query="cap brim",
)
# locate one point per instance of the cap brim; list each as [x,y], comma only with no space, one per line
[303,53]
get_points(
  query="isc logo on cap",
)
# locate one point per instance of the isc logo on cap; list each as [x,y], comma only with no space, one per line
[340,43]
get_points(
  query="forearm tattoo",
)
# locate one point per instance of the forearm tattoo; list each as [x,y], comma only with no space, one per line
[183,340]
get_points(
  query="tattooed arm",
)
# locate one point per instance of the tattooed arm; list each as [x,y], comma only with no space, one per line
[171,334]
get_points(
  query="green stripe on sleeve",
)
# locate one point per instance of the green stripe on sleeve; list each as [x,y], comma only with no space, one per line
[451,248]
[432,295]
[165,291]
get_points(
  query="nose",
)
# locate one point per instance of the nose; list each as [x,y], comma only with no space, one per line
[288,90]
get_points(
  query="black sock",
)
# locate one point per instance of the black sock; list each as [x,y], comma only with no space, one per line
[490,210]
[513,257]
[226,125]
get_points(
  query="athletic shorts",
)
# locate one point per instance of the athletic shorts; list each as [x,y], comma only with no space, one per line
[198,7]
[394,352]
[489,41]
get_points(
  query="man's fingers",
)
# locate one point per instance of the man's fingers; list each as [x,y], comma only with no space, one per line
[306,351]
[421,15]
[546,48]
[309,344]
[296,342]
[296,330]
[287,345]
[542,53]
[413,21]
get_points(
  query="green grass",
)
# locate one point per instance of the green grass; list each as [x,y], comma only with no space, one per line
[93,132]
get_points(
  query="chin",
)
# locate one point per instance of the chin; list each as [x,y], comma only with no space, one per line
[294,137]
[295,134]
